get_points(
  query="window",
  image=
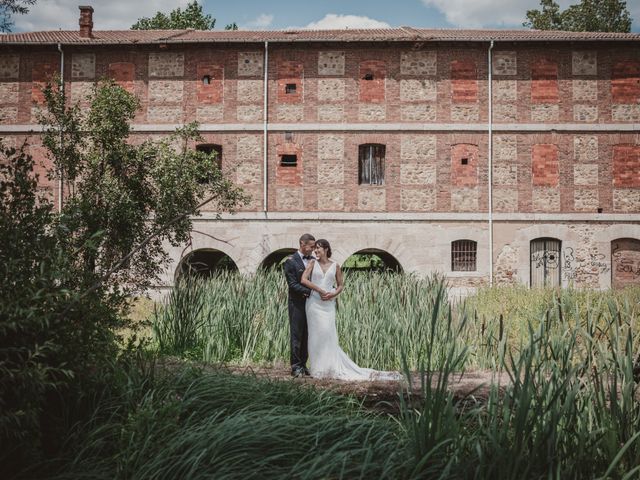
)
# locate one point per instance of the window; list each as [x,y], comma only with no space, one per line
[545,262]
[289,160]
[368,76]
[464,161]
[209,148]
[463,256]
[371,164]
[206,80]
[290,88]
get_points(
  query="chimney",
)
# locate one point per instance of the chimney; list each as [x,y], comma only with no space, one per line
[86,21]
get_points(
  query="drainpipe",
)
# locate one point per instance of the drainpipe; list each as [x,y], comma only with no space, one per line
[490,157]
[265,127]
[60,183]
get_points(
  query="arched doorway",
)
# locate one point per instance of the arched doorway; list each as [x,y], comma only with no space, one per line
[625,262]
[205,263]
[276,259]
[545,262]
[372,260]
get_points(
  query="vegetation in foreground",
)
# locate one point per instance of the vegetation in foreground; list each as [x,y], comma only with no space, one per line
[571,411]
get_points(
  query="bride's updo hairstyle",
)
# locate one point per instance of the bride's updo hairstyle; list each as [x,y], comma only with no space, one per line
[324,244]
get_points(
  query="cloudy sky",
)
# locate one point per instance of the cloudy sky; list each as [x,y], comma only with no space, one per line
[280,14]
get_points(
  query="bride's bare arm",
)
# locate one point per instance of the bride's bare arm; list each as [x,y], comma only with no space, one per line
[306,275]
[339,281]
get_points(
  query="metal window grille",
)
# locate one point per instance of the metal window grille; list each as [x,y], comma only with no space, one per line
[371,164]
[545,262]
[463,256]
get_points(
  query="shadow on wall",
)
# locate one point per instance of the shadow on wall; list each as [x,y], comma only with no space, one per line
[205,263]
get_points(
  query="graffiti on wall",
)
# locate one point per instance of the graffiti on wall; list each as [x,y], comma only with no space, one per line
[572,267]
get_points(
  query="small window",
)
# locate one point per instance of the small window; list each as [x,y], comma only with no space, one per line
[368,76]
[289,161]
[290,88]
[464,161]
[463,256]
[206,80]
[209,148]
[371,164]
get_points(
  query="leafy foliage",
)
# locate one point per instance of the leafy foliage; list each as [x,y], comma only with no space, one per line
[65,277]
[9,8]
[127,199]
[191,17]
[587,16]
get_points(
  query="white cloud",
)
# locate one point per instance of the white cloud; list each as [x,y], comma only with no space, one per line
[482,13]
[262,21]
[107,14]
[333,21]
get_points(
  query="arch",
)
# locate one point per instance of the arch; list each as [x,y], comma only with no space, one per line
[276,259]
[625,262]
[205,263]
[372,259]
[545,262]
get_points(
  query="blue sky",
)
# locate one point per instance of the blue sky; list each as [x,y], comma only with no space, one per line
[281,14]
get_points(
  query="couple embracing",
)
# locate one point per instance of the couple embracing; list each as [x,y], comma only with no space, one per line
[314,283]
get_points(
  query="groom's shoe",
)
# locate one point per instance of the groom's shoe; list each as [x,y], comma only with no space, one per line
[306,372]
[297,372]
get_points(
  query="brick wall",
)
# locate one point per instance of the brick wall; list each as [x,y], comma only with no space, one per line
[533,172]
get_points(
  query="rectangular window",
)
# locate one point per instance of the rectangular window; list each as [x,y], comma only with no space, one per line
[289,160]
[290,88]
[463,256]
[371,164]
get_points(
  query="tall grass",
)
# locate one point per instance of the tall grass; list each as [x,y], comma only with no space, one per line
[232,318]
[570,409]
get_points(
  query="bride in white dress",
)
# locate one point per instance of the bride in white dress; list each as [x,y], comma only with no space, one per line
[327,359]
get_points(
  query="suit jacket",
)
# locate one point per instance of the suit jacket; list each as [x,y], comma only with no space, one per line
[293,270]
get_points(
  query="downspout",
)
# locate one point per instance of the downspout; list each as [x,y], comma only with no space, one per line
[60,183]
[490,157]
[265,127]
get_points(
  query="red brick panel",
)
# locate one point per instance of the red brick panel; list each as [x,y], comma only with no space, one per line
[544,81]
[464,165]
[123,74]
[41,74]
[625,82]
[290,73]
[372,91]
[288,175]
[544,165]
[464,81]
[626,166]
[213,92]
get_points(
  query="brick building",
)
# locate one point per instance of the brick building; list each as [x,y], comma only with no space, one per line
[505,154]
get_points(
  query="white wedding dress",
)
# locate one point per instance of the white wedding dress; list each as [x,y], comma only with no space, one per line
[327,360]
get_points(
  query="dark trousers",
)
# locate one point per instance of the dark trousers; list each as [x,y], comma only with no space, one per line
[298,331]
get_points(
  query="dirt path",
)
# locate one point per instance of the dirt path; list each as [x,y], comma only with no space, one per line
[384,395]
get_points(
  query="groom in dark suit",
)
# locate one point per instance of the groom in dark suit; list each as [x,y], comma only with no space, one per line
[293,268]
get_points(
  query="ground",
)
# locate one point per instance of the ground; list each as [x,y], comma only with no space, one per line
[383,396]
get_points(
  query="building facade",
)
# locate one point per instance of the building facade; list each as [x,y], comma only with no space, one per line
[504,156]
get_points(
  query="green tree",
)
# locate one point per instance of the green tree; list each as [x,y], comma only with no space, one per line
[9,8]
[127,200]
[587,16]
[191,17]
[65,277]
